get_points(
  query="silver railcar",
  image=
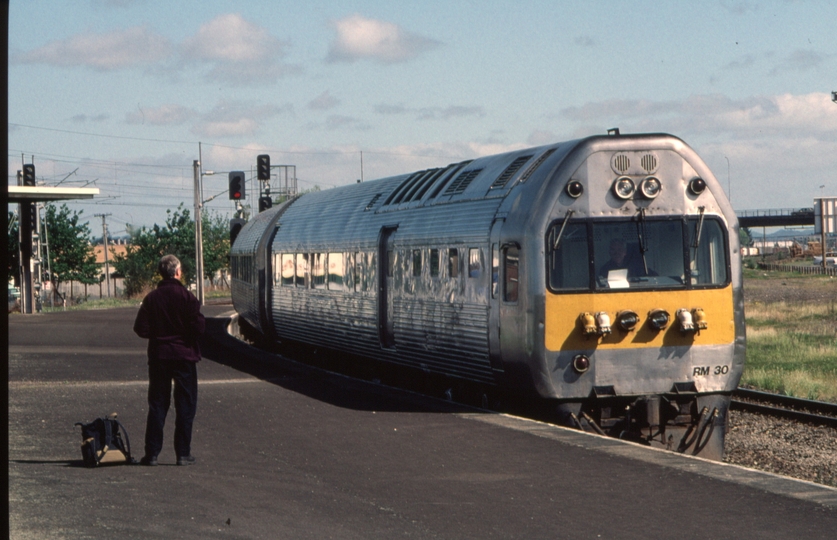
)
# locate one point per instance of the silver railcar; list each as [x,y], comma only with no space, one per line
[602,274]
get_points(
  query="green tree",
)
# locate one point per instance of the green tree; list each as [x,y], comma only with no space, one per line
[744,236]
[215,230]
[138,266]
[71,254]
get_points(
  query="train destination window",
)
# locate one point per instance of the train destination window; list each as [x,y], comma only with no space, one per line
[287,270]
[453,263]
[511,271]
[318,271]
[434,262]
[416,262]
[335,272]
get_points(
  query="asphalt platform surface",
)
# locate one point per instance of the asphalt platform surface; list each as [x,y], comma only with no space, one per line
[288,451]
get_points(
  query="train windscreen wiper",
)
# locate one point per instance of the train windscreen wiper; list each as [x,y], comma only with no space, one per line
[642,236]
[557,241]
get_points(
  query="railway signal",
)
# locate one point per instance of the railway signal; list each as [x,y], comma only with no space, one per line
[237,186]
[265,203]
[29,175]
[263,166]
[235,227]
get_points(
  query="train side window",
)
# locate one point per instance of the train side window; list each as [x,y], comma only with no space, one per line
[416,263]
[335,272]
[434,262]
[351,277]
[302,270]
[511,273]
[495,270]
[568,257]
[370,273]
[287,270]
[474,263]
[318,267]
[453,263]
[708,261]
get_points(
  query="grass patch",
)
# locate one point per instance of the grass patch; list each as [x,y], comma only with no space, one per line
[792,346]
[103,303]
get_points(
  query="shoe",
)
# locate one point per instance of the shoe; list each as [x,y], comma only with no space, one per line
[150,461]
[186,460]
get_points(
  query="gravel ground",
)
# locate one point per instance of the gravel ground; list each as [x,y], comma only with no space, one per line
[790,289]
[781,446]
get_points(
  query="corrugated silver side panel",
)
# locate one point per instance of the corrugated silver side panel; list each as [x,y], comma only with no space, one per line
[245,294]
[438,337]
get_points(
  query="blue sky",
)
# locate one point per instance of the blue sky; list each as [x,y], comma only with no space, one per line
[119,93]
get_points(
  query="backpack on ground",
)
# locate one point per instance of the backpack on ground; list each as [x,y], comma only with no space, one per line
[105,441]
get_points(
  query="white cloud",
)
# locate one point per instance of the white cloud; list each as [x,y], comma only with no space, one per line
[239,51]
[361,38]
[431,113]
[323,102]
[163,115]
[232,118]
[104,52]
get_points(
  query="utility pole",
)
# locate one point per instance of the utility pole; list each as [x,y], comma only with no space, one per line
[105,243]
[196,165]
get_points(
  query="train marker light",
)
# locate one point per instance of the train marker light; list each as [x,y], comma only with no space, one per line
[624,188]
[658,319]
[603,320]
[697,186]
[627,320]
[588,323]
[650,187]
[684,317]
[575,189]
[581,363]
[700,318]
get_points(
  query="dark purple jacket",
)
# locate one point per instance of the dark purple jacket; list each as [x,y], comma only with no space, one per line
[170,318]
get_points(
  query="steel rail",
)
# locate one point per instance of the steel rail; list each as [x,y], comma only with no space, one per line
[804,410]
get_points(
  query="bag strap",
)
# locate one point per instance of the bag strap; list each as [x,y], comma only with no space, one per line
[127,440]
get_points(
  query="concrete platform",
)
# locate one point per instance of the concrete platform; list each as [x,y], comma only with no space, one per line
[287,451]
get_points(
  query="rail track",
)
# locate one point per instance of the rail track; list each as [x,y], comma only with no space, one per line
[802,410]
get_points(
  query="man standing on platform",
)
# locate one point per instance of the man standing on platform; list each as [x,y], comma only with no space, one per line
[170,318]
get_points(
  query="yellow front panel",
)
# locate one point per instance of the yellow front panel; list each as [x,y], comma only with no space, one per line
[563,332]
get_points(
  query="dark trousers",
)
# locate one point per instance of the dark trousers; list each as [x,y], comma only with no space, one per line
[161,373]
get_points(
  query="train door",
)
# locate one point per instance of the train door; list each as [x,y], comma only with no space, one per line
[494,298]
[386,263]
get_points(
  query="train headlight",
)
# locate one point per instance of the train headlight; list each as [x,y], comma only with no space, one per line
[575,189]
[697,186]
[627,320]
[650,187]
[659,319]
[684,317]
[624,188]
[700,318]
[581,363]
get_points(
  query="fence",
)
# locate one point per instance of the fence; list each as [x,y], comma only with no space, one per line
[800,269]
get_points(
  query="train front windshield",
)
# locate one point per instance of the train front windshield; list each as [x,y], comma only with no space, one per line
[637,254]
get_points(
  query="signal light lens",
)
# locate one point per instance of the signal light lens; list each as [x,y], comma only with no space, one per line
[624,188]
[697,186]
[651,187]
[575,189]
